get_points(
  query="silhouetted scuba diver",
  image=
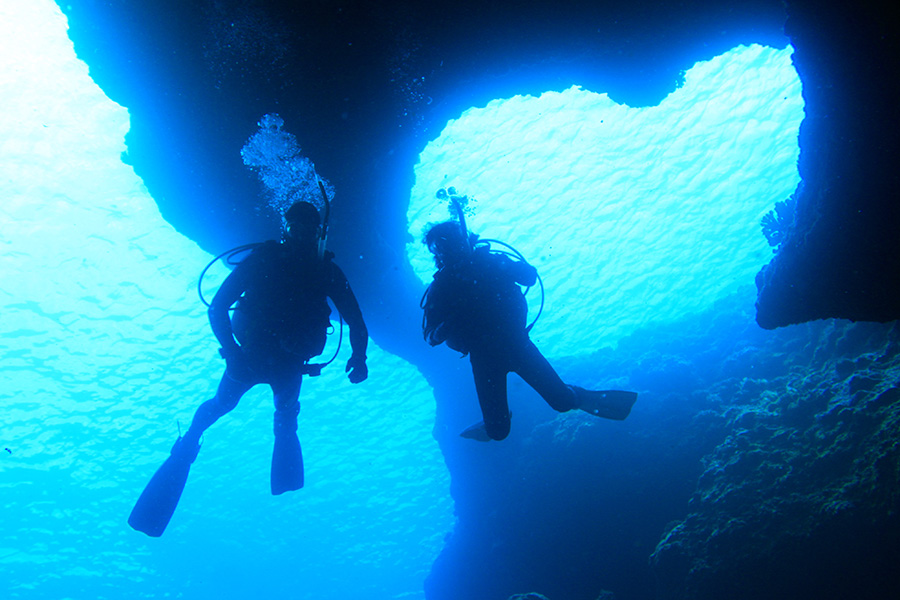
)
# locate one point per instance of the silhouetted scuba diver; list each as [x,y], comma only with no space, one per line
[475,305]
[279,324]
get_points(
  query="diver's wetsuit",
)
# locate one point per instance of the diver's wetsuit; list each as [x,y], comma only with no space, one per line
[281,322]
[476,307]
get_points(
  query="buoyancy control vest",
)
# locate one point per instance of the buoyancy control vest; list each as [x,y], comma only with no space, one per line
[477,301]
[284,304]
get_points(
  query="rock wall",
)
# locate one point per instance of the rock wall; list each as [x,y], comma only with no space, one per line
[800,497]
[755,465]
[840,258]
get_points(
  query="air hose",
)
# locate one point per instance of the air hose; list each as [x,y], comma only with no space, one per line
[518,255]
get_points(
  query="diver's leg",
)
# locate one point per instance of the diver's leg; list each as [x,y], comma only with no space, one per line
[490,384]
[608,404]
[227,396]
[537,372]
[287,457]
[157,503]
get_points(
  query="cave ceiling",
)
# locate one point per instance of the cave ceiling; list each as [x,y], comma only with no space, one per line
[364,86]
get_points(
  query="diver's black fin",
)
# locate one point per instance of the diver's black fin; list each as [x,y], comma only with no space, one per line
[287,464]
[154,509]
[476,432]
[608,404]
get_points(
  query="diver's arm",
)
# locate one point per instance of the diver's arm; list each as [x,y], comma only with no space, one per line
[435,311]
[343,298]
[525,273]
[229,293]
[521,272]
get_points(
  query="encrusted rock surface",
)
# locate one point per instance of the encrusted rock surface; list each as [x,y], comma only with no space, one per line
[841,259]
[800,498]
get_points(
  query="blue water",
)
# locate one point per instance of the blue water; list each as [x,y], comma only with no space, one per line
[106,351]
[644,215]
[640,220]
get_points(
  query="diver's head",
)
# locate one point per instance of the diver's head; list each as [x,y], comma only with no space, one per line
[301,223]
[447,243]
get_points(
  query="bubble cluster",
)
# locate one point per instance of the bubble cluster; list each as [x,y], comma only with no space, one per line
[286,174]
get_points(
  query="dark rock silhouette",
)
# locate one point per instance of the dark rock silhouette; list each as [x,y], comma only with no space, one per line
[760,465]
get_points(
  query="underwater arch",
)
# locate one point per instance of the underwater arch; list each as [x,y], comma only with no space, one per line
[635,217]
[107,352]
[85,356]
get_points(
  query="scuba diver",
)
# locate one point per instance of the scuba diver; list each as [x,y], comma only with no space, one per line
[279,324]
[475,306]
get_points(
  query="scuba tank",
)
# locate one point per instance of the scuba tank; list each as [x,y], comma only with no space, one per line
[475,242]
[515,254]
[229,255]
[312,369]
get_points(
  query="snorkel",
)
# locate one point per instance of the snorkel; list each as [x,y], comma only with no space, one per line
[323,234]
[456,203]
[462,219]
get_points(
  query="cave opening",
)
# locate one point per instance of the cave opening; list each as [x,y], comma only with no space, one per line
[645,215]
[82,334]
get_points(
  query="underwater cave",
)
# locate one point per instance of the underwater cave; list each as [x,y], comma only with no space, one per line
[711,216]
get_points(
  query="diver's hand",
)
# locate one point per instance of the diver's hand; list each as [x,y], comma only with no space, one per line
[236,364]
[357,369]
